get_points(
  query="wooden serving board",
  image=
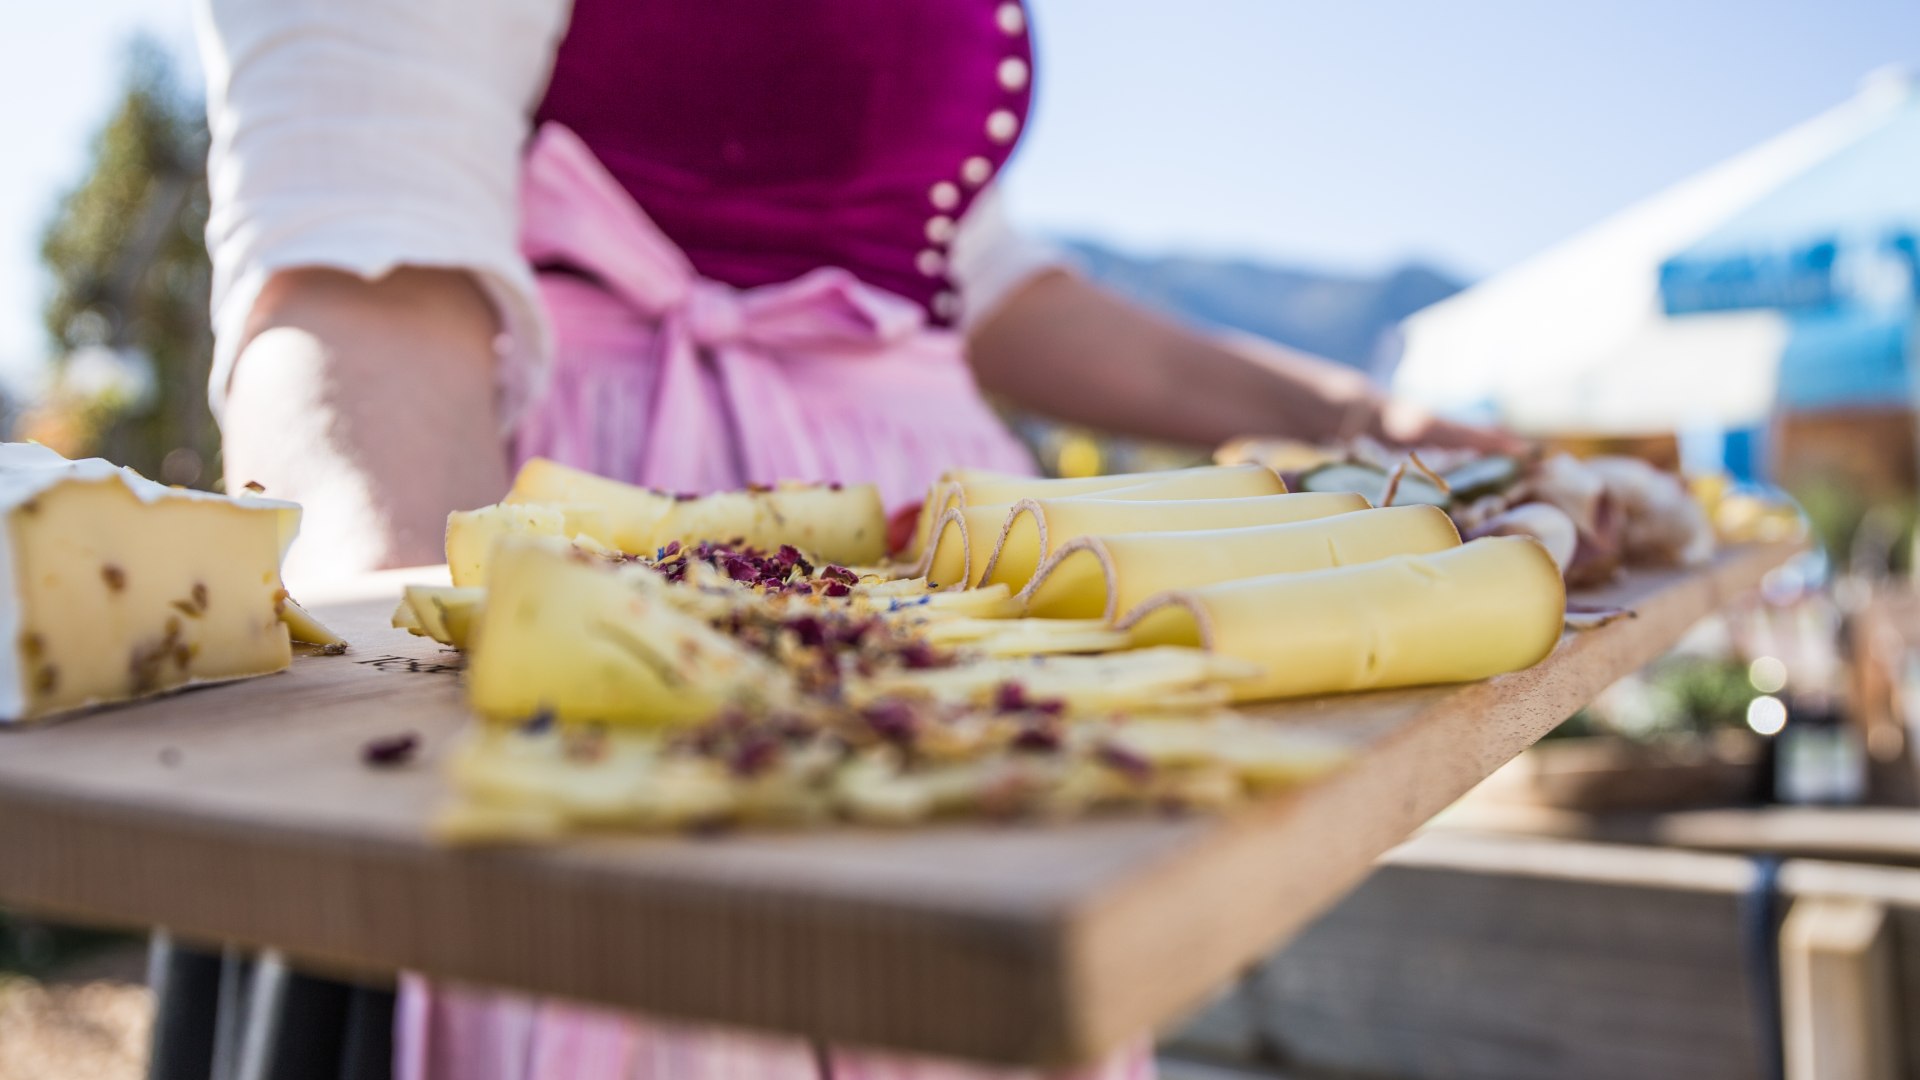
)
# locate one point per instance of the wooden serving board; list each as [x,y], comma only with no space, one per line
[244,813]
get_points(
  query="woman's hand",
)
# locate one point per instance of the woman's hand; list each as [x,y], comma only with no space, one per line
[371,403]
[1063,346]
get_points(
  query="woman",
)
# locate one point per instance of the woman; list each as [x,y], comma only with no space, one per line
[691,245]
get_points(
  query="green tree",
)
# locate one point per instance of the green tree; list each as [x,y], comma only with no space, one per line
[127,310]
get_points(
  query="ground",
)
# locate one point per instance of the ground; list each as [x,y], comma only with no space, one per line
[89,1020]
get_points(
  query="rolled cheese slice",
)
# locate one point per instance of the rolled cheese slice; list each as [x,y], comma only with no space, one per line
[117,587]
[1470,612]
[1094,577]
[1033,529]
[974,487]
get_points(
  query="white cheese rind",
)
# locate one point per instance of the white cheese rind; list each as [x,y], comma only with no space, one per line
[29,470]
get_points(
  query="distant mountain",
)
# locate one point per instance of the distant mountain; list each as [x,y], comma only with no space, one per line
[1338,317]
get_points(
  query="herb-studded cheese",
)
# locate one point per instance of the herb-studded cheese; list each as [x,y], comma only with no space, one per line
[116,587]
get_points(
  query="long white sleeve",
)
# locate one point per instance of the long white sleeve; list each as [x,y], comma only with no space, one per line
[363,135]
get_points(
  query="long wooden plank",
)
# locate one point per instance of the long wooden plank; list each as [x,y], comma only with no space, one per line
[244,813]
[1859,834]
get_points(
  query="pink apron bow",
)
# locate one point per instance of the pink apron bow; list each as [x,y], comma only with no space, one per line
[710,335]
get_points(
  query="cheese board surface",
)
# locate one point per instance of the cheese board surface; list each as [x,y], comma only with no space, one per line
[247,813]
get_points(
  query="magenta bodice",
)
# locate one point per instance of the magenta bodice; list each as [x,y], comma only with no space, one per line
[768,138]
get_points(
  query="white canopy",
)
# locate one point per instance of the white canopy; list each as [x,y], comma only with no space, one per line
[1574,340]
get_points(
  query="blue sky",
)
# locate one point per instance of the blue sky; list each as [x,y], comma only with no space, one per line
[1351,134]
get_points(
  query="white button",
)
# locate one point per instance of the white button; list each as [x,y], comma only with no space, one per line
[1010,19]
[930,262]
[940,230]
[946,305]
[976,170]
[1012,73]
[1002,125]
[944,195]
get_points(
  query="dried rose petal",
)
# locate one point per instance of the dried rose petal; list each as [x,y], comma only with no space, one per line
[834,572]
[1010,697]
[808,630]
[1037,740]
[919,656]
[1125,761]
[893,721]
[835,588]
[754,755]
[390,751]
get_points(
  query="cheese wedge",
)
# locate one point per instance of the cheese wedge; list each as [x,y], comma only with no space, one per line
[1470,612]
[589,641]
[1035,528]
[118,587]
[1100,577]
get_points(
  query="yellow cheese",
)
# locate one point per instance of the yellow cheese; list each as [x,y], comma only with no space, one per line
[976,487]
[592,641]
[1477,610]
[119,587]
[471,535]
[1106,576]
[966,533]
[630,513]
[832,522]
[838,524]
[445,614]
[1035,528]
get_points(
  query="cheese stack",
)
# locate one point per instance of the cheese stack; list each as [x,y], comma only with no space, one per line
[118,587]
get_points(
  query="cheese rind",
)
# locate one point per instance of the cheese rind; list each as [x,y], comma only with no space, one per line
[118,587]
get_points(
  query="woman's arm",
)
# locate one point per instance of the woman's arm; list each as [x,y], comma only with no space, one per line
[371,403]
[1063,346]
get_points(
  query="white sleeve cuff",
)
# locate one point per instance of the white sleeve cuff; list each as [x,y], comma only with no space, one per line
[991,260]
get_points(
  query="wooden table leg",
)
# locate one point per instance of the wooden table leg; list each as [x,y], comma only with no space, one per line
[1836,989]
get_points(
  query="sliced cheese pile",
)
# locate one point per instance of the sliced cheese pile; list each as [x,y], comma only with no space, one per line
[120,587]
[1057,646]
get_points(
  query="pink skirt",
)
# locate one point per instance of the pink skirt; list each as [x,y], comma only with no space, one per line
[663,379]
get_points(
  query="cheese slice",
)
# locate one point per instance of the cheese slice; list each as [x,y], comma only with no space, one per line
[118,587]
[590,641]
[840,523]
[1102,577]
[978,487]
[1469,612]
[1036,528]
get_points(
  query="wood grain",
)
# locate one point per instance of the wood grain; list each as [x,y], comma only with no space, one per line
[244,813]
[1496,958]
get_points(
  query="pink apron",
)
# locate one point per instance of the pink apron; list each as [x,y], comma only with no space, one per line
[665,378]
[678,382]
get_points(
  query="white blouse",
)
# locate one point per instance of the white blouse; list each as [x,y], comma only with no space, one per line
[364,135]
